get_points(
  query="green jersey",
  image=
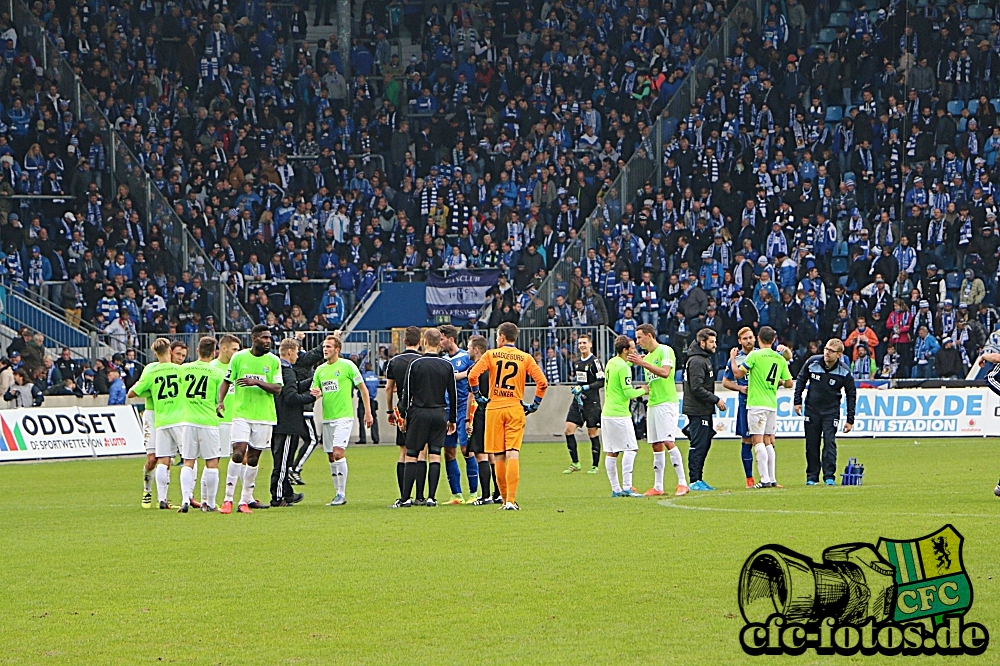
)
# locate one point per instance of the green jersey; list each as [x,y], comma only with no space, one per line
[253,403]
[618,389]
[337,381]
[662,389]
[149,405]
[766,368]
[160,384]
[200,382]
[227,415]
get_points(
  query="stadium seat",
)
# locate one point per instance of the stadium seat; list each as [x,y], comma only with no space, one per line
[841,249]
[977,12]
[996,104]
[955,107]
[845,6]
[839,265]
[839,20]
[842,281]
[826,36]
[973,106]
[953,281]
[834,114]
[983,28]
[962,122]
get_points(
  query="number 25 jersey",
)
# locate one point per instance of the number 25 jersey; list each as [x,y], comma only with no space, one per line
[160,385]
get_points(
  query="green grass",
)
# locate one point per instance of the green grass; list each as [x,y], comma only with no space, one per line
[574,578]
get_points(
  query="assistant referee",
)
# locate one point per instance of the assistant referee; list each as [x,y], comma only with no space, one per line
[427,412]
[826,376]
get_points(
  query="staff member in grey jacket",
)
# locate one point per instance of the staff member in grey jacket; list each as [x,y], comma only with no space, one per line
[700,402]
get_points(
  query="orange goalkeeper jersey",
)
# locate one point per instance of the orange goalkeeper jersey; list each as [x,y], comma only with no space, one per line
[509,368]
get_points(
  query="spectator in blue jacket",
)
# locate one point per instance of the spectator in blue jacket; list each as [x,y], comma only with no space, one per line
[332,307]
[117,386]
[347,282]
[924,351]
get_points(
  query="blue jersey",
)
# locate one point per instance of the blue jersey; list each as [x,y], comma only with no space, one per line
[740,357]
[461,362]
[371,382]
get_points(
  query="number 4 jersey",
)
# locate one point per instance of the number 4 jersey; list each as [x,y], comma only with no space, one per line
[766,369]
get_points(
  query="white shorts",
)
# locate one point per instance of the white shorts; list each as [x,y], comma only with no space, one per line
[258,435]
[201,442]
[618,434]
[661,422]
[761,420]
[337,433]
[169,440]
[149,431]
[225,442]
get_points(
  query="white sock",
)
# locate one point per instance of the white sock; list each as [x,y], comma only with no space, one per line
[760,452]
[249,481]
[210,485]
[611,465]
[187,484]
[195,468]
[677,460]
[338,470]
[233,474]
[162,482]
[628,462]
[772,477]
[659,462]
[147,479]
[343,477]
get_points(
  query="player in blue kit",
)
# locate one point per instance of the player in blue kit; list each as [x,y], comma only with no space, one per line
[461,361]
[747,343]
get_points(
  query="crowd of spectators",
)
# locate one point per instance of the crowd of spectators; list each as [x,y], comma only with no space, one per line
[844,189]
[830,176]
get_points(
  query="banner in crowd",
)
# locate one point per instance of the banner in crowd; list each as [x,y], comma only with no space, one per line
[461,294]
[941,412]
[69,432]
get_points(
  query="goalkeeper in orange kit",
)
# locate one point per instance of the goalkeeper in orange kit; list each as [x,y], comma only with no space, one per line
[509,368]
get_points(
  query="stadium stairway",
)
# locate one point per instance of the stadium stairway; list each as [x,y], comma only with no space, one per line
[18,311]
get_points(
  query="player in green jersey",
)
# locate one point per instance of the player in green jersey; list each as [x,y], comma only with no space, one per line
[765,370]
[616,418]
[256,374]
[228,345]
[200,387]
[333,384]
[662,409]
[160,386]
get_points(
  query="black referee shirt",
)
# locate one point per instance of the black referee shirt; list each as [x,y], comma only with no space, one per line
[430,384]
[398,365]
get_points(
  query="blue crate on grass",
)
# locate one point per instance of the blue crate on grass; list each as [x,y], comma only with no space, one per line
[854,474]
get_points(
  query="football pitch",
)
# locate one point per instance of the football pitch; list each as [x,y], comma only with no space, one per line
[575,577]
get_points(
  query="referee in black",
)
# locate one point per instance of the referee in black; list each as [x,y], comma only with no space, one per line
[288,404]
[425,416]
[395,376]
[827,375]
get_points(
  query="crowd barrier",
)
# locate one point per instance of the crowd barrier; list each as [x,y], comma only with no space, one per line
[94,431]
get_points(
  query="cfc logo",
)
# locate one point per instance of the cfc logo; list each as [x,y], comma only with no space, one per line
[896,597]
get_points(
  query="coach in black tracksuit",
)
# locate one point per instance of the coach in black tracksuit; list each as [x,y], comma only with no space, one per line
[291,426]
[428,410]
[700,402]
[827,376]
[304,368]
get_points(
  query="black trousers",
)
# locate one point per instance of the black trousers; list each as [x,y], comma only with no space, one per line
[702,431]
[308,445]
[323,8]
[817,426]
[283,450]
[361,422]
